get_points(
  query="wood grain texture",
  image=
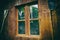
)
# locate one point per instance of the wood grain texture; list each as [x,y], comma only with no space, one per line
[45,23]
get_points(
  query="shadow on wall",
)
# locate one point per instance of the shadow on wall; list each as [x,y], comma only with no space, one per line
[57,36]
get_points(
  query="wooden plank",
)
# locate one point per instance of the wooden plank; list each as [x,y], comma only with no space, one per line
[16,21]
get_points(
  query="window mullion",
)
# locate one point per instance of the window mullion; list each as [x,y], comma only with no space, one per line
[17,21]
[39,13]
[27,20]
[28,13]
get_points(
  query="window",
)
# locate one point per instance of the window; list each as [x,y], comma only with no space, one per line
[34,22]
[28,20]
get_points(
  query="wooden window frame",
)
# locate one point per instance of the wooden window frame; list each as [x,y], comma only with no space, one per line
[27,23]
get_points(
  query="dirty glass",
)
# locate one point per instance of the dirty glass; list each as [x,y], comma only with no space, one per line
[34,11]
[34,27]
[21,27]
[21,13]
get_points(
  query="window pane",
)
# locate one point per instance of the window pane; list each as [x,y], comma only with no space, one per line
[34,27]
[20,13]
[34,11]
[21,27]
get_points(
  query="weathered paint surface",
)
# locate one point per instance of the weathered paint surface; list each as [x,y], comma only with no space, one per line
[46,26]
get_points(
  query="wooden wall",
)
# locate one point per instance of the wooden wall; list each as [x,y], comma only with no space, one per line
[46,25]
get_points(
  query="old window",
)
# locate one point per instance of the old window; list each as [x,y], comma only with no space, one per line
[34,22]
[28,20]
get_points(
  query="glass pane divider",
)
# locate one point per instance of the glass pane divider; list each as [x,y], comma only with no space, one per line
[34,19]
[21,20]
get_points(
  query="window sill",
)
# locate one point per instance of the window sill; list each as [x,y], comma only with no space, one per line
[30,36]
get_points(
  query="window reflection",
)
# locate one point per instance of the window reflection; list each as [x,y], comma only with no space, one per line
[21,27]
[20,13]
[34,11]
[34,27]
